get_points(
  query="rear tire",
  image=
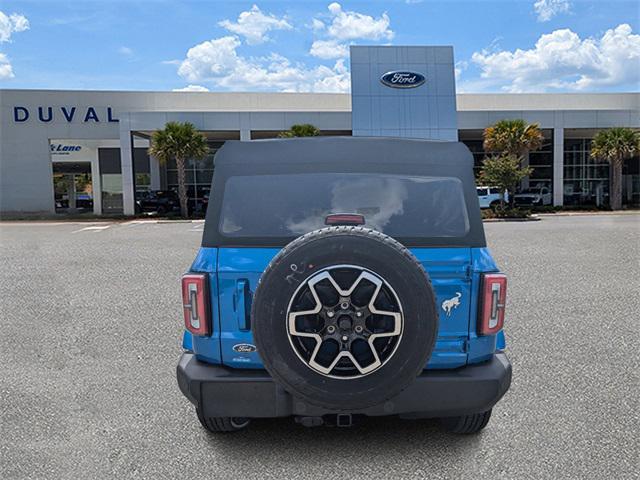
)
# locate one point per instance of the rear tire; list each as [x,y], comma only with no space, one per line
[222,424]
[466,424]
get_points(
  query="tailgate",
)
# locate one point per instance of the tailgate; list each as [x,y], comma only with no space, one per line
[239,270]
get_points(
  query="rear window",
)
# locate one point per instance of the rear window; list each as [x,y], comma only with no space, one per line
[268,206]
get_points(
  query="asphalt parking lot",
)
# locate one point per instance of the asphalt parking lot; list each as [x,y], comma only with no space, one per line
[91,328]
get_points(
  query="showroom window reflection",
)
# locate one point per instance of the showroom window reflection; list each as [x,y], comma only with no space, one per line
[541,160]
[199,174]
[586,180]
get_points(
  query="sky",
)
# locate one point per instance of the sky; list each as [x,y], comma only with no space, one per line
[302,46]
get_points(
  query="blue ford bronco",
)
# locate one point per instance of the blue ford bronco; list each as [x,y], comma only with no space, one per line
[342,277]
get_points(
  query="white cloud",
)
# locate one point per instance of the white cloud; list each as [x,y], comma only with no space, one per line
[547,9]
[346,26]
[126,51]
[10,24]
[254,25]
[327,49]
[210,59]
[562,60]
[192,88]
[6,71]
[460,67]
[349,25]
[317,25]
[217,61]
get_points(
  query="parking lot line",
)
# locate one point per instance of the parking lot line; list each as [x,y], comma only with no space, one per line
[93,228]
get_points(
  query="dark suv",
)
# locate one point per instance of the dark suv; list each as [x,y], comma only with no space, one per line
[342,277]
[158,201]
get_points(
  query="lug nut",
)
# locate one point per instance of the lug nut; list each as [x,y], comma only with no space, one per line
[330,314]
[358,329]
[344,305]
[358,314]
[331,329]
[345,338]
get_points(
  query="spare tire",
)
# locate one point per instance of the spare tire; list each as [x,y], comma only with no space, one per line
[344,318]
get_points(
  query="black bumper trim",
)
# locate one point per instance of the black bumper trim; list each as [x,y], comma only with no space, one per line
[225,392]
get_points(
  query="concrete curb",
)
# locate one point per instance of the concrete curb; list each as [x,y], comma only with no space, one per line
[578,214]
[498,220]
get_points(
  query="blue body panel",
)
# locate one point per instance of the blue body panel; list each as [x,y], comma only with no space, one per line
[234,274]
[208,348]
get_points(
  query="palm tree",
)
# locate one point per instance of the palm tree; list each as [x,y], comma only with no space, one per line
[513,138]
[615,146]
[179,141]
[300,130]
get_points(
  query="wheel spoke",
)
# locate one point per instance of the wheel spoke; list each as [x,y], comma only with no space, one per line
[345,337]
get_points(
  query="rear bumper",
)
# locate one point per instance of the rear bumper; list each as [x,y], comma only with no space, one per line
[225,392]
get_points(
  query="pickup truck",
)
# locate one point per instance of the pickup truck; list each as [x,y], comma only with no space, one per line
[536,196]
[490,197]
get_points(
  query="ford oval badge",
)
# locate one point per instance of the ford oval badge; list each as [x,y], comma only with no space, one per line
[244,348]
[402,79]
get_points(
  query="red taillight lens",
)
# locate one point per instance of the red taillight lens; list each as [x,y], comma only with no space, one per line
[344,219]
[195,302]
[494,297]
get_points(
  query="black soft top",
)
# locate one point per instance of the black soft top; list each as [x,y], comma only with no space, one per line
[344,155]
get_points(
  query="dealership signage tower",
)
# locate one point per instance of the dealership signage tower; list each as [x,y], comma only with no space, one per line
[403,92]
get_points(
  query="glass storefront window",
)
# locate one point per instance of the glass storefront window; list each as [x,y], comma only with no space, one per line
[204,176]
[111,192]
[143,182]
[541,160]
[111,180]
[73,187]
[586,180]
[199,175]
[477,150]
[542,163]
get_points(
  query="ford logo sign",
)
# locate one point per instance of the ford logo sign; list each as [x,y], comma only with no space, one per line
[401,79]
[244,348]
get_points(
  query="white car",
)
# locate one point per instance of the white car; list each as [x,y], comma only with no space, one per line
[490,197]
[534,196]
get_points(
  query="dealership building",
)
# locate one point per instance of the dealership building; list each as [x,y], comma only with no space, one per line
[86,151]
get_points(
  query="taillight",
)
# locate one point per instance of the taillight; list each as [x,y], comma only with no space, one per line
[195,302]
[494,296]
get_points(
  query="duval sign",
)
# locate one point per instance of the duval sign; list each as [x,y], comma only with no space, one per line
[402,79]
[65,114]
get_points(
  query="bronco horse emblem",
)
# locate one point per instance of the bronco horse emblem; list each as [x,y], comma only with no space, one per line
[452,303]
